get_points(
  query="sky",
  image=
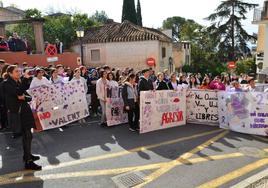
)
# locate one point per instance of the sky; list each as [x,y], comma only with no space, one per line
[153,11]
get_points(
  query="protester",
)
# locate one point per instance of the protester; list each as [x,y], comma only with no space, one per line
[92,89]
[205,83]
[55,78]
[144,83]
[111,80]
[3,109]
[131,105]
[183,80]
[160,83]
[174,83]
[77,77]
[101,87]
[39,78]
[216,84]
[252,85]
[193,83]
[20,115]
[236,87]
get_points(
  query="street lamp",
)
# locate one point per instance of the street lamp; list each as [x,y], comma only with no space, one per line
[80,34]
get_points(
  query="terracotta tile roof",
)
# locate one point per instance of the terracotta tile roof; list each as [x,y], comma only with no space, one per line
[123,32]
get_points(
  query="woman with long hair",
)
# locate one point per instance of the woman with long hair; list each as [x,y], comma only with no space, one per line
[101,88]
[131,105]
[20,115]
[111,80]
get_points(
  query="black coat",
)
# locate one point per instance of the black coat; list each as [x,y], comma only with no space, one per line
[12,90]
[161,85]
[145,85]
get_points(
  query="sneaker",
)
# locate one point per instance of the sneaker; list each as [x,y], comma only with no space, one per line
[132,130]
[30,165]
[33,158]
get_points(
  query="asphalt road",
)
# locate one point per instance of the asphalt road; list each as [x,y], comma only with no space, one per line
[84,156]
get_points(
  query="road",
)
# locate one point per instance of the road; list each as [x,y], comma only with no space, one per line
[88,155]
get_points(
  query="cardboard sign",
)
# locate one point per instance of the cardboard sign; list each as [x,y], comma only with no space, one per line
[115,107]
[244,112]
[202,107]
[162,110]
[57,105]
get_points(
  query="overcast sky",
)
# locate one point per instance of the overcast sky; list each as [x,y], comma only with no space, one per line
[153,11]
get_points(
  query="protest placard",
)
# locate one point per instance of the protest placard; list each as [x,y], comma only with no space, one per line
[244,112]
[202,107]
[57,105]
[162,110]
[115,107]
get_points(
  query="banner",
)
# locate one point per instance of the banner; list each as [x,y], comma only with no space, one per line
[57,105]
[162,110]
[115,107]
[202,107]
[245,112]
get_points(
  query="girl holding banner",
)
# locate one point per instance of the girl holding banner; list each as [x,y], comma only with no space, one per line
[130,97]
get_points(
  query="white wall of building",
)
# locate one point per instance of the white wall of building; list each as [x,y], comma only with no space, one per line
[128,54]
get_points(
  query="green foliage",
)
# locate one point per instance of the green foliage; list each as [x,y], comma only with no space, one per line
[99,17]
[61,27]
[204,56]
[33,13]
[227,25]
[139,16]
[246,66]
[129,11]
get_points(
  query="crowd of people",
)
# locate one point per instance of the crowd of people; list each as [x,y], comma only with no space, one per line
[16,113]
[15,43]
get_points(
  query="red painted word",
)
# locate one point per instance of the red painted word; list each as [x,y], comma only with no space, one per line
[44,116]
[171,117]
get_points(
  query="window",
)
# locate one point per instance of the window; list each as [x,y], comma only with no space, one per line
[187,59]
[95,55]
[163,52]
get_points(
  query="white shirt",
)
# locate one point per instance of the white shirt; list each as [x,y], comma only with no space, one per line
[112,83]
[37,82]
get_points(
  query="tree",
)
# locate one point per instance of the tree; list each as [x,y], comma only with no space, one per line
[246,66]
[32,13]
[129,11]
[139,15]
[226,23]
[100,17]
[61,27]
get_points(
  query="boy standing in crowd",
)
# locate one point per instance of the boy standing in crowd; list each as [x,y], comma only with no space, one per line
[145,84]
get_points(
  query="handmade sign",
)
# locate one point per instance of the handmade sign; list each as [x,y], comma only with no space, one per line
[115,107]
[244,112]
[57,105]
[202,107]
[162,110]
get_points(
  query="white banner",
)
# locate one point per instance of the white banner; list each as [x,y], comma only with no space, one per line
[162,110]
[57,105]
[115,107]
[202,107]
[244,112]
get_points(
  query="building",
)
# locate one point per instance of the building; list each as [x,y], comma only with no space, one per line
[122,45]
[261,18]
[10,13]
[181,54]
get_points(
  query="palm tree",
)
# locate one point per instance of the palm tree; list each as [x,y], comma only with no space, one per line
[227,25]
